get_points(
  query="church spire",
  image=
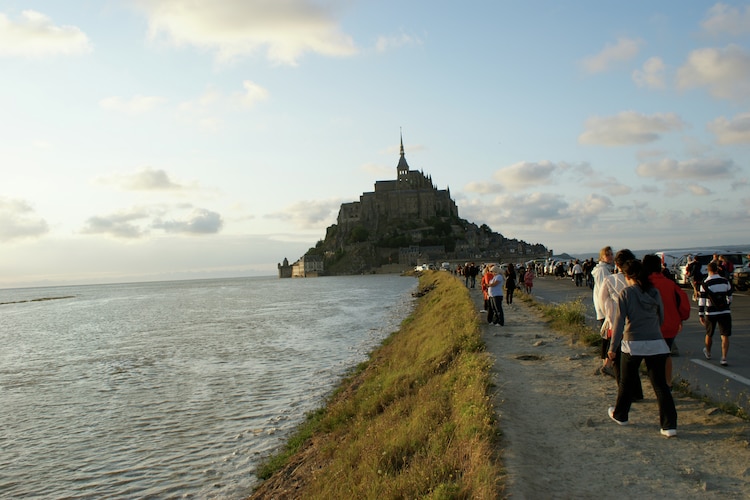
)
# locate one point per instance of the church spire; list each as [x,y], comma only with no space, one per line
[402,170]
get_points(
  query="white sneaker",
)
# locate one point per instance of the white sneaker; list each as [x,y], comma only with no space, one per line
[482,310]
[706,353]
[611,413]
[670,433]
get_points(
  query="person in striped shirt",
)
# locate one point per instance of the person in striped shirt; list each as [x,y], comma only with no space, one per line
[713,309]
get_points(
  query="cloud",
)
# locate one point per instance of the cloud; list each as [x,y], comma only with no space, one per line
[723,20]
[702,168]
[698,190]
[145,179]
[385,43]
[610,185]
[253,94]
[34,35]
[18,221]
[628,128]
[138,222]
[484,187]
[205,109]
[525,173]
[135,106]
[624,50]
[309,214]
[734,131]
[285,29]
[200,221]
[724,72]
[118,225]
[651,75]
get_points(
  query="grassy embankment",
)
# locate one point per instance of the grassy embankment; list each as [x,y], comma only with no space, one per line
[415,421]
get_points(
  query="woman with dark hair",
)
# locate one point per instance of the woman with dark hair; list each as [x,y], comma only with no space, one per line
[637,333]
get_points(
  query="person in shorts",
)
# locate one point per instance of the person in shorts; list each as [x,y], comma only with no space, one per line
[714,304]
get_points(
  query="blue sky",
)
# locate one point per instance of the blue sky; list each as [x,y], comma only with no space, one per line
[168,139]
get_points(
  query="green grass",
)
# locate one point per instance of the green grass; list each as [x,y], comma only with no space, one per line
[416,421]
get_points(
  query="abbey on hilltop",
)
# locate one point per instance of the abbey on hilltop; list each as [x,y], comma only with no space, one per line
[404,222]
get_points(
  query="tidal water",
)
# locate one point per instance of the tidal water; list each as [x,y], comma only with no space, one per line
[174,389]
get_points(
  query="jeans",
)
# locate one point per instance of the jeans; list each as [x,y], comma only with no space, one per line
[495,313]
[629,374]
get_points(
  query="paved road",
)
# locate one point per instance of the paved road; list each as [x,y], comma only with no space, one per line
[729,384]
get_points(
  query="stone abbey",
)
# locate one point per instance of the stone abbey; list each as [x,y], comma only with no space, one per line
[404,222]
[412,195]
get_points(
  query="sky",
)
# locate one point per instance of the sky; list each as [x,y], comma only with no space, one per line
[171,139]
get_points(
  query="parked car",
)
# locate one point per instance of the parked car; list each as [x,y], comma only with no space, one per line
[741,278]
[703,258]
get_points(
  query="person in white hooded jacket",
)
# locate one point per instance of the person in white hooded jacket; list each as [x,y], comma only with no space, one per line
[600,273]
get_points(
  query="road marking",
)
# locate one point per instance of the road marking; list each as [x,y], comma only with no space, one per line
[723,371]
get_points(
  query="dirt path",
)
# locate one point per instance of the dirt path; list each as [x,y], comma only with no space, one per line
[558,441]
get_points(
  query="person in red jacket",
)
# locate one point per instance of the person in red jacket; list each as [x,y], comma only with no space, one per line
[675,301]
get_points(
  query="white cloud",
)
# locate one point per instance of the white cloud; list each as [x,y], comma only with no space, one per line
[137,222]
[724,72]
[698,190]
[527,173]
[702,168]
[253,93]
[119,225]
[18,220]
[309,214]
[35,35]
[286,29]
[723,20]
[484,187]
[624,50]
[135,106]
[734,131]
[385,43]
[651,75]
[145,179]
[200,221]
[629,127]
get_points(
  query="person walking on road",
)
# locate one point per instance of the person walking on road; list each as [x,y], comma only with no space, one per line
[637,333]
[609,291]
[600,273]
[528,280]
[495,291]
[675,301]
[486,278]
[715,298]
[510,283]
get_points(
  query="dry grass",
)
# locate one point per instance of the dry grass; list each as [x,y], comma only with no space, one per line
[416,421]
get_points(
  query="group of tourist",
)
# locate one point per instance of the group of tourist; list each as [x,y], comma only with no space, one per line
[496,283]
[640,311]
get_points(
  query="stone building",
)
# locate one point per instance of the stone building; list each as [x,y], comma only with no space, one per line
[412,195]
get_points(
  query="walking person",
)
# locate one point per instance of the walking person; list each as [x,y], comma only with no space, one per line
[528,280]
[715,298]
[600,273]
[495,291]
[676,305]
[609,291]
[510,283]
[486,278]
[578,273]
[637,333]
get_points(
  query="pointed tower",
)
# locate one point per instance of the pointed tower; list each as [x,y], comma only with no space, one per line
[403,168]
